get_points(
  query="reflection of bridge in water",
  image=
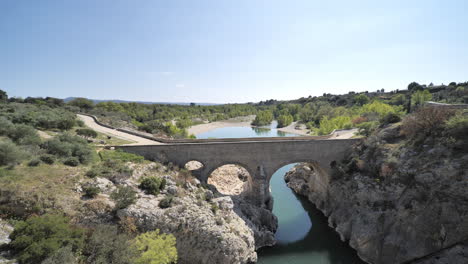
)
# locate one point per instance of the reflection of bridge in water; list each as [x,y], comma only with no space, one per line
[260,156]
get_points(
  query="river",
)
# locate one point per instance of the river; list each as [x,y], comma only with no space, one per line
[303,235]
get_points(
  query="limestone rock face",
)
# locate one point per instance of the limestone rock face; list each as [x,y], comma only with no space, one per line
[395,204]
[5,231]
[204,235]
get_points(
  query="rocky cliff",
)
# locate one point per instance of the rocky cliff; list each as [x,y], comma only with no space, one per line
[395,202]
[210,227]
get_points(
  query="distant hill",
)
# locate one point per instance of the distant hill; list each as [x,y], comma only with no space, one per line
[68,99]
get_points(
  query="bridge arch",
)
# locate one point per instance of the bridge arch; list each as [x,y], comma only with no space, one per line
[231,179]
[193,165]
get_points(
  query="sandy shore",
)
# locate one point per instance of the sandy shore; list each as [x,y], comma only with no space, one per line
[302,130]
[243,121]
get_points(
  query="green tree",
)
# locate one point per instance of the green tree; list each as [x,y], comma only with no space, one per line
[285,120]
[263,118]
[414,86]
[361,99]
[420,97]
[39,237]
[82,103]
[3,96]
[156,248]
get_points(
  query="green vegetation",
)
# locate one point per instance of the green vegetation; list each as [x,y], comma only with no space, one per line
[156,248]
[263,118]
[87,133]
[108,245]
[39,237]
[10,154]
[121,156]
[70,148]
[152,185]
[124,196]
[166,202]
[285,120]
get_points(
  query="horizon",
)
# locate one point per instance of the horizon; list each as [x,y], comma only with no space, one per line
[222,52]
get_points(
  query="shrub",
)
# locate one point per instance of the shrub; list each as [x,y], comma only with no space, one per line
[457,126]
[425,122]
[10,154]
[24,135]
[61,256]
[93,172]
[124,196]
[360,99]
[151,185]
[72,161]
[166,202]
[67,145]
[366,128]
[34,162]
[107,245]
[5,126]
[47,159]
[155,248]
[86,132]
[39,237]
[214,208]
[91,191]
[390,118]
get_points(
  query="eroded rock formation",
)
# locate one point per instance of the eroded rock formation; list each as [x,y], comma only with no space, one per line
[395,204]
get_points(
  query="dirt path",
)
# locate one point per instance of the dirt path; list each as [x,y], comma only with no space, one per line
[89,122]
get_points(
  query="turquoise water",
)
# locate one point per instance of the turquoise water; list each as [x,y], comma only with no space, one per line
[303,235]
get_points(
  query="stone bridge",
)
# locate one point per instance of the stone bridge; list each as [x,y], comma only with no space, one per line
[260,156]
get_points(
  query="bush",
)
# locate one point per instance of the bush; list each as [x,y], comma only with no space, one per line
[166,202]
[425,122]
[457,126]
[39,237]
[34,162]
[93,172]
[61,256]
[24,135]
[87,132]
[366,128]
[155,248]
[47,159]
[124,196]
[91,191]
[72,161]
[66,145]
[151,185]
[107,245]
[10,154]
[390,118]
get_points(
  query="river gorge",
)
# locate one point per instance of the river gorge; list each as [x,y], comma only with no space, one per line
[303,235]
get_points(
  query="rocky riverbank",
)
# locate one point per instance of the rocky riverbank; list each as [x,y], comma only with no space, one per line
[393,203]
[210,227]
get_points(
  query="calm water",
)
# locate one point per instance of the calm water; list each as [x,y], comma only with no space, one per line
[303,234]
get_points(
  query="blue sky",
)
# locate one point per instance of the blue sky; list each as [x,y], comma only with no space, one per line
[227,51]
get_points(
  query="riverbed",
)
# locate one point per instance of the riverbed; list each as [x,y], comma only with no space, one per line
[303,235]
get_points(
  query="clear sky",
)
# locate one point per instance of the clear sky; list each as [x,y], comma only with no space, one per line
[227,51]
